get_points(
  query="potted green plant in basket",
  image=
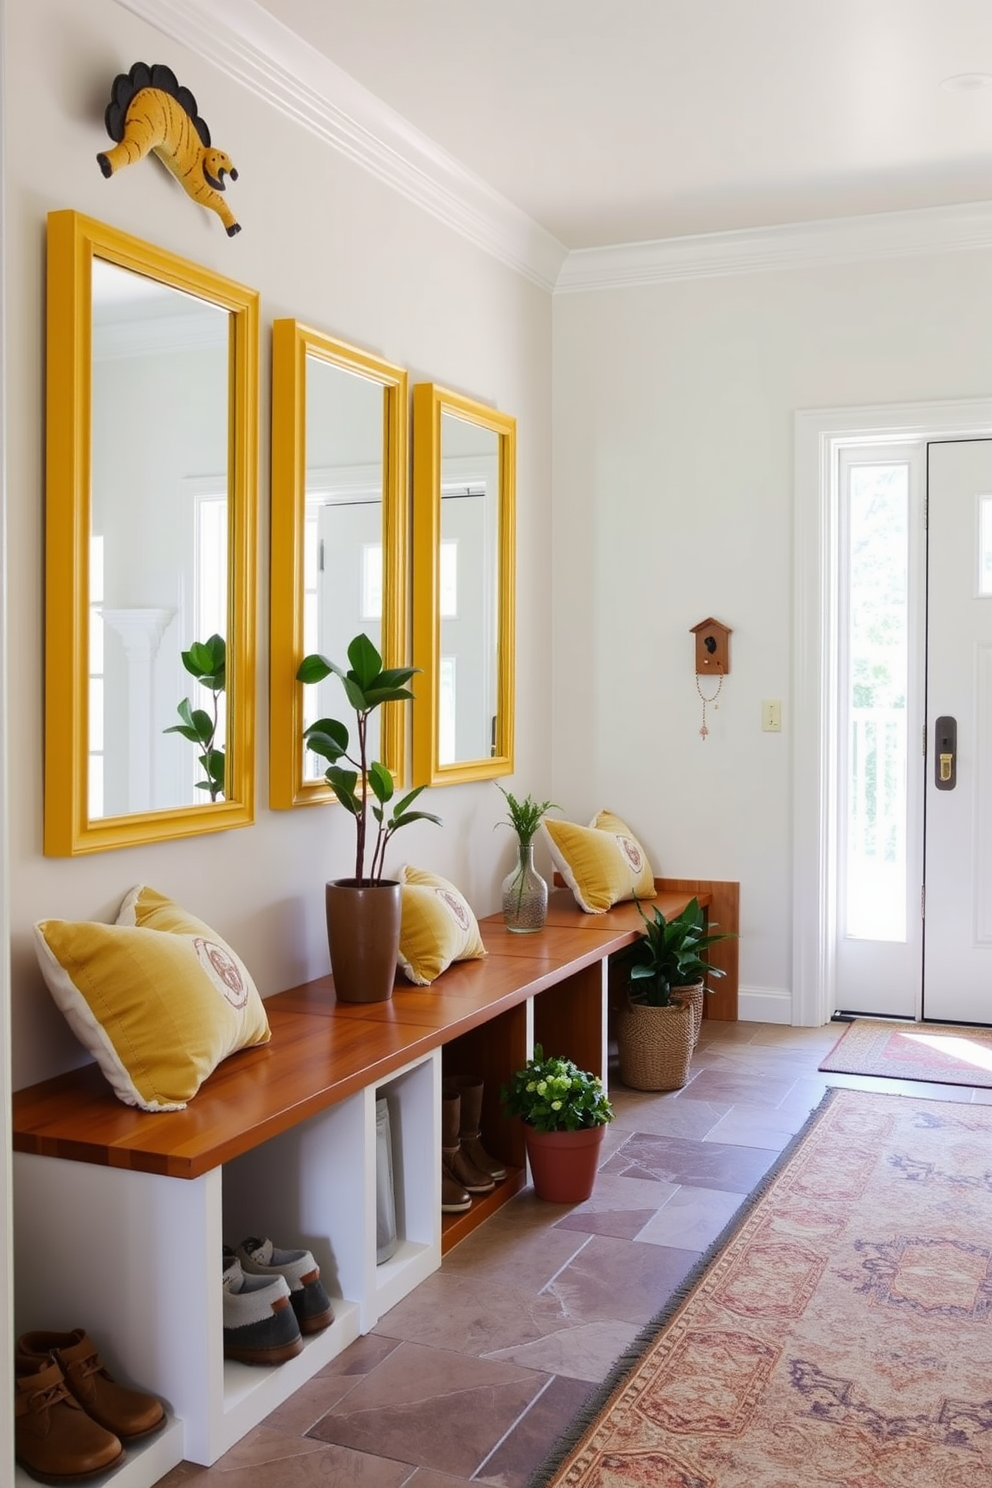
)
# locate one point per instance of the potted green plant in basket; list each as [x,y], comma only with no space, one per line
[525,893]
[565,1111]
[664,972]
[363,912]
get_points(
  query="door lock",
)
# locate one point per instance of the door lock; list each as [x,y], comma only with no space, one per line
[946,762]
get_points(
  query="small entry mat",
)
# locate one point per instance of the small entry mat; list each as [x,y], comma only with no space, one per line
[942,1053]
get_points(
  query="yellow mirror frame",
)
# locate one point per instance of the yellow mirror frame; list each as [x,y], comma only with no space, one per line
[292,343]
[430,403]
[74,241]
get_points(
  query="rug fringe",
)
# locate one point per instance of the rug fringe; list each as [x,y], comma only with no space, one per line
[622,1367]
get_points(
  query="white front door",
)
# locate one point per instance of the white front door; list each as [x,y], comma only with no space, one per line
[957,956]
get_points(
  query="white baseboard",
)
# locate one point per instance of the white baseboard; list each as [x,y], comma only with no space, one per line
[764,1005]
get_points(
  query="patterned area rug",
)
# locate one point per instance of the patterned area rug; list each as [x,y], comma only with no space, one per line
[839,1337]
[943,1054]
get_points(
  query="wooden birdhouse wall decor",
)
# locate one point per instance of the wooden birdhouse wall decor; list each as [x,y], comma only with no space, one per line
[712,647]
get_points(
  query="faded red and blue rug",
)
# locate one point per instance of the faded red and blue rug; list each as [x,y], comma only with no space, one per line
[839,1335]
[945,1054]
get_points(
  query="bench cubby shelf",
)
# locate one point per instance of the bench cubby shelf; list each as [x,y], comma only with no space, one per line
[121,1216]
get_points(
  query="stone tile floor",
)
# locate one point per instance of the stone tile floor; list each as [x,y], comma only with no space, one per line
[472,1377]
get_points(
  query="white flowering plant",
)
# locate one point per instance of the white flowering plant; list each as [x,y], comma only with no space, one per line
[555,1095]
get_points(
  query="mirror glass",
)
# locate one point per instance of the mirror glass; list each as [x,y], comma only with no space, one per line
[338,541]
[158,535]
[463,599]
[151,399]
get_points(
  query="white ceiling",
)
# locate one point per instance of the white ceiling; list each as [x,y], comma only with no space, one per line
[621,121]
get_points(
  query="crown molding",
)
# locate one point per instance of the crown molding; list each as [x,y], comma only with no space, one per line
[759,250]
[249,45]
[252,47]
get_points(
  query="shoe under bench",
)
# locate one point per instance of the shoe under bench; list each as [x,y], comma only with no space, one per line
[120,1215]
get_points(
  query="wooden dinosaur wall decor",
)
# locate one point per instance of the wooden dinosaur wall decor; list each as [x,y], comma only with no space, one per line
[149,110]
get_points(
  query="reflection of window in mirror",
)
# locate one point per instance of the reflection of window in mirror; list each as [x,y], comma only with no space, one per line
[339,527]
[159,419]
[467,592]
[463,563]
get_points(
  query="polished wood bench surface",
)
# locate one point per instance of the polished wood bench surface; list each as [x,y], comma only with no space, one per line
[323,1051]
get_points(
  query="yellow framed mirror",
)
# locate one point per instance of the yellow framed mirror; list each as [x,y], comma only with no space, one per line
[152,434]
[339,541]
[464,483]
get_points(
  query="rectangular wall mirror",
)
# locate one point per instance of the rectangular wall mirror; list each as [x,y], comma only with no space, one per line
[464,471]
[339,546]
[152,433]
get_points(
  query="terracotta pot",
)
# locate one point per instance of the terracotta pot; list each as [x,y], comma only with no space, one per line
[363,936]
[563,1164]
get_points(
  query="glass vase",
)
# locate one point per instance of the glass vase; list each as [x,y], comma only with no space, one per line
[525,894]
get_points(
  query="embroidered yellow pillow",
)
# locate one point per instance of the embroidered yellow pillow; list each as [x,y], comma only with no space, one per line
[602,864]
[437,926]
[158,1008]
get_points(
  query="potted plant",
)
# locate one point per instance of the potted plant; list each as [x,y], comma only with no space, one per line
[664,971]
[363,912]
[565,1111]
[525,893]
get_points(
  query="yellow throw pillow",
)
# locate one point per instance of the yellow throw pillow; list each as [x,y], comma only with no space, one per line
[602,864]
[158,999]
[437,927]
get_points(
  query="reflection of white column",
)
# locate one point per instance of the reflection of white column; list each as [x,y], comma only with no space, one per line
[141,632]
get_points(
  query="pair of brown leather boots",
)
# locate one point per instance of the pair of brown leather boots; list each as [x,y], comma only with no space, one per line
[71,1418]
[467,1170]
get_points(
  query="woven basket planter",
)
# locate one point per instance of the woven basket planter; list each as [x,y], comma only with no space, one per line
[655,1046]
[693,995]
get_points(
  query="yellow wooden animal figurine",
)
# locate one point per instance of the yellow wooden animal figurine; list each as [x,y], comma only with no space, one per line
[149,110]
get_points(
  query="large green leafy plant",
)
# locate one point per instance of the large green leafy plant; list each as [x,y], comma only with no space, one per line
[669,954]
[207,662]
[555,1095]
[360,784]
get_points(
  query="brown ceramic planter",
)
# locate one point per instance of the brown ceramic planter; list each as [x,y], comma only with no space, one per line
[363,936]
[563,1164]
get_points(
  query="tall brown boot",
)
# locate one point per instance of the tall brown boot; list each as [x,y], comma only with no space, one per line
[470,1088]
[455,1199]
[454,1159]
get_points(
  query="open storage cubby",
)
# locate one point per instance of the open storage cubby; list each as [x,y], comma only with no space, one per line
[121,1217]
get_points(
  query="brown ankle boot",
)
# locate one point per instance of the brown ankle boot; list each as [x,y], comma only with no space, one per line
[129,1414]
[455,1163]
[470,1088]
[54,1439]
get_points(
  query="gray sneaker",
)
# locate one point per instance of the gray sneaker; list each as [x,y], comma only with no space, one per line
[260,1326]
[301,1273]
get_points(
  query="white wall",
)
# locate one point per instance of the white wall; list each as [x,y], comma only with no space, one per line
[324,241]
[673,492]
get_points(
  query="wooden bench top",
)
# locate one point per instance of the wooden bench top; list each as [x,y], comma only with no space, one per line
[321,1052]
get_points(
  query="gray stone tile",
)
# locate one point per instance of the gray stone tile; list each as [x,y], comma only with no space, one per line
[729,1088]
[757,1126]
[674,1117]
[464,1315]
[692,1219]
[614,1279]
[514,1461]
[432,1408]
[698,1164]
[587,1352]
